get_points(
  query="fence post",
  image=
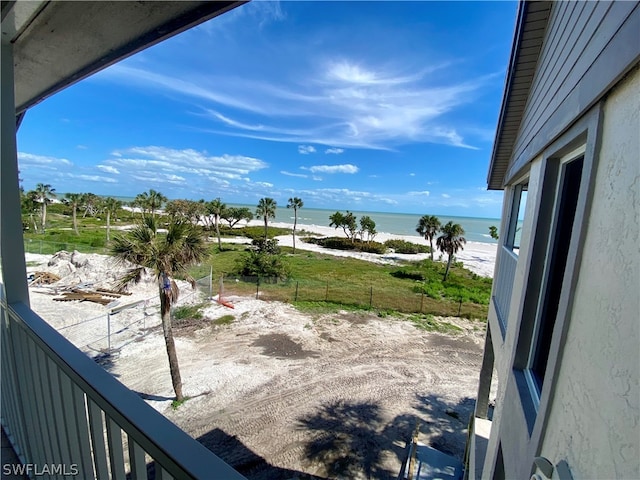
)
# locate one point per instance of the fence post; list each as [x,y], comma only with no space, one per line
[460,307]
[296,297]
[371,297]
[109,333]
[422,301]
[40,247]
[210,281]
[257,287]
[326,292]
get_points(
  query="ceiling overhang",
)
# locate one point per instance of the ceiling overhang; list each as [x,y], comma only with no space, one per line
[57,43]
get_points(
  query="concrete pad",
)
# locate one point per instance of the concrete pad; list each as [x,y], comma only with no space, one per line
[431,464]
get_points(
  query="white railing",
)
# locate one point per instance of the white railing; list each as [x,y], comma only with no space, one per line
[64,414]
[503,283]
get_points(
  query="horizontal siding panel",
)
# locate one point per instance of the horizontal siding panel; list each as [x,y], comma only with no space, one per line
[558,60]
[578,33]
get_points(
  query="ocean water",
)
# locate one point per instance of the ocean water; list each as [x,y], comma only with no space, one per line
[476,229]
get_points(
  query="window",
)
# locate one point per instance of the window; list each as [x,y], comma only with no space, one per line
[514,233]
[559,240]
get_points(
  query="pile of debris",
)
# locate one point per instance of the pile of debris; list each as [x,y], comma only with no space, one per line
[74,276]
[82,293]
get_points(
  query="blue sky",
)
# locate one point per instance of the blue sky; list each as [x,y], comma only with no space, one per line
[374,106]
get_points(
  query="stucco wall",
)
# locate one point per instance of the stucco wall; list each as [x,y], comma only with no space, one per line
[595,410]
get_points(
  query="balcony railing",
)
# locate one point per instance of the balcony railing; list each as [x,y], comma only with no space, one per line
[504,278]
[64,414]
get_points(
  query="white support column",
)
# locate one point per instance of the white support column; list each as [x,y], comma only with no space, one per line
[12,263]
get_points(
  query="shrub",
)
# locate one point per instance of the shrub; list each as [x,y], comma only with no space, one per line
[402,246]
[258,264]
[371,247]
[408,275]
[187,311]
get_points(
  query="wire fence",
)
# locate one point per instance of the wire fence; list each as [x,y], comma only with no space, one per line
[126,322]
[351,294]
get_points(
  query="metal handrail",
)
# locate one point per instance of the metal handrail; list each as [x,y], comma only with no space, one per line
[176,452]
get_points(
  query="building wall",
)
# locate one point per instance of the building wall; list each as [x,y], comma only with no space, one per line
[595,411]
[588,47]
[592,413]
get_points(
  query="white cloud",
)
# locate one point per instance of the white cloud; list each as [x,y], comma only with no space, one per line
[289,174]
[29,159]
[446,195]
[412,174]
[347,168]
[334,151]
[306,149]
[108,169]
[337,103]
[424,193]
[92,178]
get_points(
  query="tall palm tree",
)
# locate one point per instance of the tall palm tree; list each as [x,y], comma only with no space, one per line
[111,207]
[428,226]
[44,194]
[266,209]
[295,203]
[167,255]
[216,208]
[73,200]
[450,242]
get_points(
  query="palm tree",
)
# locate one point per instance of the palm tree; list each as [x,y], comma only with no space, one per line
[266,209]
[29,203]
[155,201]
[295,203]
[74,199]
[167,255]
[450,242]
[44,194]
[216,208]
[111,207]
[428,226]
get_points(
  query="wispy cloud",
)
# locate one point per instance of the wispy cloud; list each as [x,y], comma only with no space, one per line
[92,178]
[290,174]
[346,168]
[424,193]
[28,160]
[334,151]
[338,103]
[108,169]
[306,149]
[446,195]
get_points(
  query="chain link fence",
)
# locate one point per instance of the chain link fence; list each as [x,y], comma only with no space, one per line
[127,322]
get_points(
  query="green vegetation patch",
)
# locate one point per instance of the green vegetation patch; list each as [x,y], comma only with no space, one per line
[224,320]
[341,243]
[402,246]
[430,324]
[184,312]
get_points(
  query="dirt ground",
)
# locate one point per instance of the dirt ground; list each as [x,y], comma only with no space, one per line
[280,394]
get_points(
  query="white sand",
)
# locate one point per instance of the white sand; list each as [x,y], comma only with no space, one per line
[478,257]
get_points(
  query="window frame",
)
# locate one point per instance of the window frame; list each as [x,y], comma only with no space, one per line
[582,139]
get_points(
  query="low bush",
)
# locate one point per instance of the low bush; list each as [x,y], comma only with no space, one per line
[341,243]
[402,246]
[187,311]
[418,276]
